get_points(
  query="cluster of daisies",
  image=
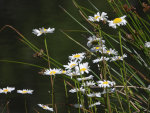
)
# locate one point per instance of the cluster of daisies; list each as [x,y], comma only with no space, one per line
[10,89]
[97,45]
[103,17]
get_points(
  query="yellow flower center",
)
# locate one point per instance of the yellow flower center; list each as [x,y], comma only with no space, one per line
[63,71]
[96,17]
[52,72]
[119,57]
[117,20]
[44,107]
[24,91]
[107,51]
[76,56]
[105,82]
[97,47]
[72,65]
[83,69]
[45,29]
[5,90]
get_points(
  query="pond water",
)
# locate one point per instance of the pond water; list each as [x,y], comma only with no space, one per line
[25,15]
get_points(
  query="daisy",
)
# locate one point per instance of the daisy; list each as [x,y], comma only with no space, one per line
[105,83]
[71,65]
[6,90]
[147,44]
[97,17]
[94,94]
[72,73]
[82,68]
[45,107]
[100,59]
[110,52]
[25,91]
[88,83]
[117,22]
[52,71]
[74,90]
[42,30]
[94,41]
[77,56]
[118,57]
[98,48]
[95,104]
[85,78]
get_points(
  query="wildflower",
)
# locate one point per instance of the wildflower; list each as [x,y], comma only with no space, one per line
[100,59]
[25,91]
[72,73]
[147,44]
[52,71]
[117,22]
[94,41]
[63,71]
[110,52]
[82,68]
[94,94]
[118,57]
[74,90]
[88,83]
[85,78]
[77,56]
[97,17]
[45,107]
[98,49]
[6,90]
[95,104]
[105,84]
[71,65]
[42,30]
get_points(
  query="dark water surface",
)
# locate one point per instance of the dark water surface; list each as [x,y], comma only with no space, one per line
[26,15]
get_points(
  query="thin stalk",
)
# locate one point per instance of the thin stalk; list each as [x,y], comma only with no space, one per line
[124,78]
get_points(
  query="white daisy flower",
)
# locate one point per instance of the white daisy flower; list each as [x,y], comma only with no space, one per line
[94,94]
[77,56]
[98,48]
[82,68]
[88,83]
[100,59]
[94,41]
[42,30]
[72,73]
[118,57]
[71,65]
[147,44]
[85,78]
[117,22]
[110,51]
[95,104]
[105,83]
[52,71]
[97,17]
[45,107]
[25,91]
[74,90]
[63,71]
[6,90]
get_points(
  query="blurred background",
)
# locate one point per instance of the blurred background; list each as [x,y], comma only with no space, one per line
[26,15]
